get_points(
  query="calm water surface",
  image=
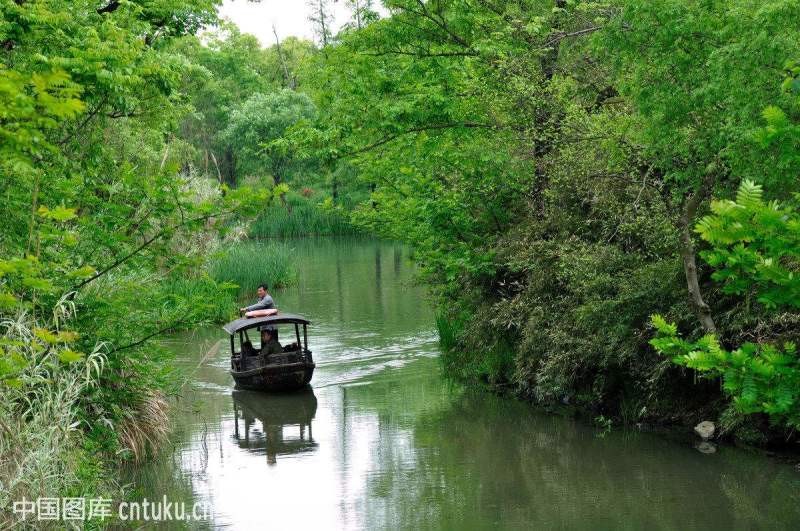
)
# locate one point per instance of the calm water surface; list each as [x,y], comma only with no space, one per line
[384,442]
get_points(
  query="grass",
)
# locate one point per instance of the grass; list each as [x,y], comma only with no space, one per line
[252,263]
[41,440]
[217,303]
[448,332]
[306,219]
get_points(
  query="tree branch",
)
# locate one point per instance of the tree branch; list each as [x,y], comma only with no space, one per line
[145,245]
[434,127]
[149,336]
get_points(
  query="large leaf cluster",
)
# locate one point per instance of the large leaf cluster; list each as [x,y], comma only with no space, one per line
[755,247]
[761,378]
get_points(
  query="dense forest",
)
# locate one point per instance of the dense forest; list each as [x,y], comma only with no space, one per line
[602,198]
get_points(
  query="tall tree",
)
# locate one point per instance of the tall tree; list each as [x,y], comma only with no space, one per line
[321,17]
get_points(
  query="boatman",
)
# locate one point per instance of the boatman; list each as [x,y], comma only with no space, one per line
[265,301]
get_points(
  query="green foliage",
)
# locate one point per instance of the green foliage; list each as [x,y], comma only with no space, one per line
[759,378]
[106,227]
[755,246]
[754,250]
[545,163]
[256,129]
[303,217]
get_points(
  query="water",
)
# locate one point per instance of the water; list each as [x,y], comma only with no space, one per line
[383,441]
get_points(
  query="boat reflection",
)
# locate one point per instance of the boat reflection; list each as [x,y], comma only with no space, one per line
[284,422]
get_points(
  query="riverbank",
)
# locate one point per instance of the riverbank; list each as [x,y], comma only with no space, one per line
[673,411]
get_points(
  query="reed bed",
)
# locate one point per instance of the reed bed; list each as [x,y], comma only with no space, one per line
[40,427]
[249,264]
[305,219]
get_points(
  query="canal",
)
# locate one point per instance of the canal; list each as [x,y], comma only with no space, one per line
[383,441]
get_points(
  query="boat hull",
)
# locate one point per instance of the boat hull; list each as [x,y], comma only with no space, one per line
[275,377]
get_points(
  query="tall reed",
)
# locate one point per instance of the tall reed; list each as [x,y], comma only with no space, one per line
[249,264]
[41,453]
[305,219]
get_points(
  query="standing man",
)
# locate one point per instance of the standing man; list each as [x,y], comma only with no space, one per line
[265,301]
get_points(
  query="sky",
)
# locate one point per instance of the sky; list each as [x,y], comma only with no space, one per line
[290,18]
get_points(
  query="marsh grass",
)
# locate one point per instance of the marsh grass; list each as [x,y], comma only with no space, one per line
[249,264]
[306,219]
[146,427]
[41,452]
[217,298]
[448,332]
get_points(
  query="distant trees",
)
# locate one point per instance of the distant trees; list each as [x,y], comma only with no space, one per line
[321,17]
[256,130]
[226,71]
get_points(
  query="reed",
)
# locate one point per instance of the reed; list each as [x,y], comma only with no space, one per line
[146,426]
[217,299]
[41,441]
[249,264]
[305,219]
[448,332]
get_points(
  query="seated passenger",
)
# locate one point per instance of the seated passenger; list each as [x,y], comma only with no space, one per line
[248,349]
[269,343]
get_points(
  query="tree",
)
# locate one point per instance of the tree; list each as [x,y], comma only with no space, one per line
[321,18]
[363,12]
[257,129]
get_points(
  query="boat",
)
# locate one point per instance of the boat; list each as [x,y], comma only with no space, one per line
[289,370]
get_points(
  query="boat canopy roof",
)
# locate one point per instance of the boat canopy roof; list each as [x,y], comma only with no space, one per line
[246,323]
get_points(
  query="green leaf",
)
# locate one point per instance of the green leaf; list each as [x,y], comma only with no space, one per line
[70,356]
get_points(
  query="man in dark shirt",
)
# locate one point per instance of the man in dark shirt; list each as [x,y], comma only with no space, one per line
[265,301]
[269,344]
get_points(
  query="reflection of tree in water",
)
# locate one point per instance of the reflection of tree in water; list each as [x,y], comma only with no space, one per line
[274,413]
[479,461]
[508,464]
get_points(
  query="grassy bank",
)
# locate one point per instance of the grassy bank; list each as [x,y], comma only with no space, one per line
[77,408]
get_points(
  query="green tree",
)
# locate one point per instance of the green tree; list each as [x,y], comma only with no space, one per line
[257,128]
[106,230]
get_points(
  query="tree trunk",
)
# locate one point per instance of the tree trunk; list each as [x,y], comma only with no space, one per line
[289,81]
[686,222]
[692,282]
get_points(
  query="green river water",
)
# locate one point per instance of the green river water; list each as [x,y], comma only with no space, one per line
[383,441]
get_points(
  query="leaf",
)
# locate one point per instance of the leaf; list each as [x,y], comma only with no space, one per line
[82,272]
[37,283]
[14,383]
[60,213]
[7,300]
[45,335]
[70,356]
[774,116]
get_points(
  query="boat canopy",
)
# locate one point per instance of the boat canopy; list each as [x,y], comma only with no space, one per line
[246,323]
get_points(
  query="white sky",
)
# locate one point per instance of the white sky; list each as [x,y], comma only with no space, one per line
[290,17]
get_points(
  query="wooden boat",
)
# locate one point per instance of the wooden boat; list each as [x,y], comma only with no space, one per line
[289,370]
